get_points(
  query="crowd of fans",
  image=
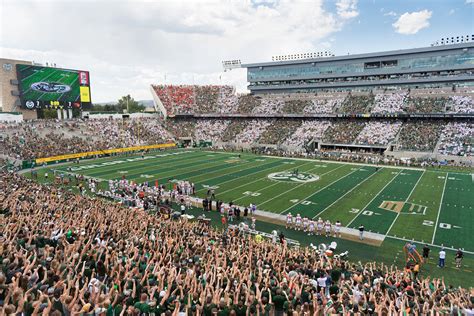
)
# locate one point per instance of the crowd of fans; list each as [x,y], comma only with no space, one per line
[296,106]
[36,139]
[457,139]
[323,106]
[279,131]
[378,133]
[419,135]
[389,103]
[269,105]
[222,99]
[211,129]
[460,104]
[66,254]
[356,104]
[425,105]
[343,132]
[177,99]
[307,131]
[251,133]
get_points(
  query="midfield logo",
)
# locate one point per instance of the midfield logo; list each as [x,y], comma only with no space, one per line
[288,176]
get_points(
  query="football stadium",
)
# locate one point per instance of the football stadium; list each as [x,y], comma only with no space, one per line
[334,185]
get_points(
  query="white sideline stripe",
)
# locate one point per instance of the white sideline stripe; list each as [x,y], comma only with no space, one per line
[430,244]
[346,193]
[67,173]
[381,190]
[221,175]
[406,200]
[367,164]
[439,209]
[277,182]
[316,191]
[262,178]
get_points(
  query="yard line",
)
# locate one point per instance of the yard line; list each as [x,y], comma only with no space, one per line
[258,179]
[439,209]
[373,198]
[345,194]
[164,174]
[137,162]
[277,182]
[144,170]
[304,184]
[252,166]
[406,200]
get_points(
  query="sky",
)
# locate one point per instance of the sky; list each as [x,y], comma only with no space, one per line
[129,44]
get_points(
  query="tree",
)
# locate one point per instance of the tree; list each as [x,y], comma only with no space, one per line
[133,106]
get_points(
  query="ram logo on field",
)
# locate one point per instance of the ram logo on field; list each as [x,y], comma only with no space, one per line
[288,176]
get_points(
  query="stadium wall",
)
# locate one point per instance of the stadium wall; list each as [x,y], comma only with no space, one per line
[8,76]
[11,117]
[426,155]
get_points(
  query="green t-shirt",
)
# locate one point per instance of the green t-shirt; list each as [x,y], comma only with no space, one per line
[223,312]
[207,310]
[279,301]
[240,311]
[142,307]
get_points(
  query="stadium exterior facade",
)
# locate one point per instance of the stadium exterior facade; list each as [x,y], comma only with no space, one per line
[436,66]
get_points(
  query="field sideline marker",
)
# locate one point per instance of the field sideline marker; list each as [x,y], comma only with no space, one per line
[439,209]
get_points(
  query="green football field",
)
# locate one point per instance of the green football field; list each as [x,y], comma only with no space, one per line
[32,74]
[401,204]
[426,206]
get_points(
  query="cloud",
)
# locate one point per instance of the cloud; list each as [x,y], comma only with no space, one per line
[469,1]
[347,9]
[391,13]
[412,23]
[129,44]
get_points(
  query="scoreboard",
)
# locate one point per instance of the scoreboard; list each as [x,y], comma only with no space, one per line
[53,88]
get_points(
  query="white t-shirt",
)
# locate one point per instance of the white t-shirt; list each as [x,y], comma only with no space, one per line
[442,254]
[322,281]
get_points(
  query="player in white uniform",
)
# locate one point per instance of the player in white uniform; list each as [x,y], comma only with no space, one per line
[298,222]
[311,228]
[327,227]
[254,220]
[320,226]
[289,220]
[305,224]
[337,229]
